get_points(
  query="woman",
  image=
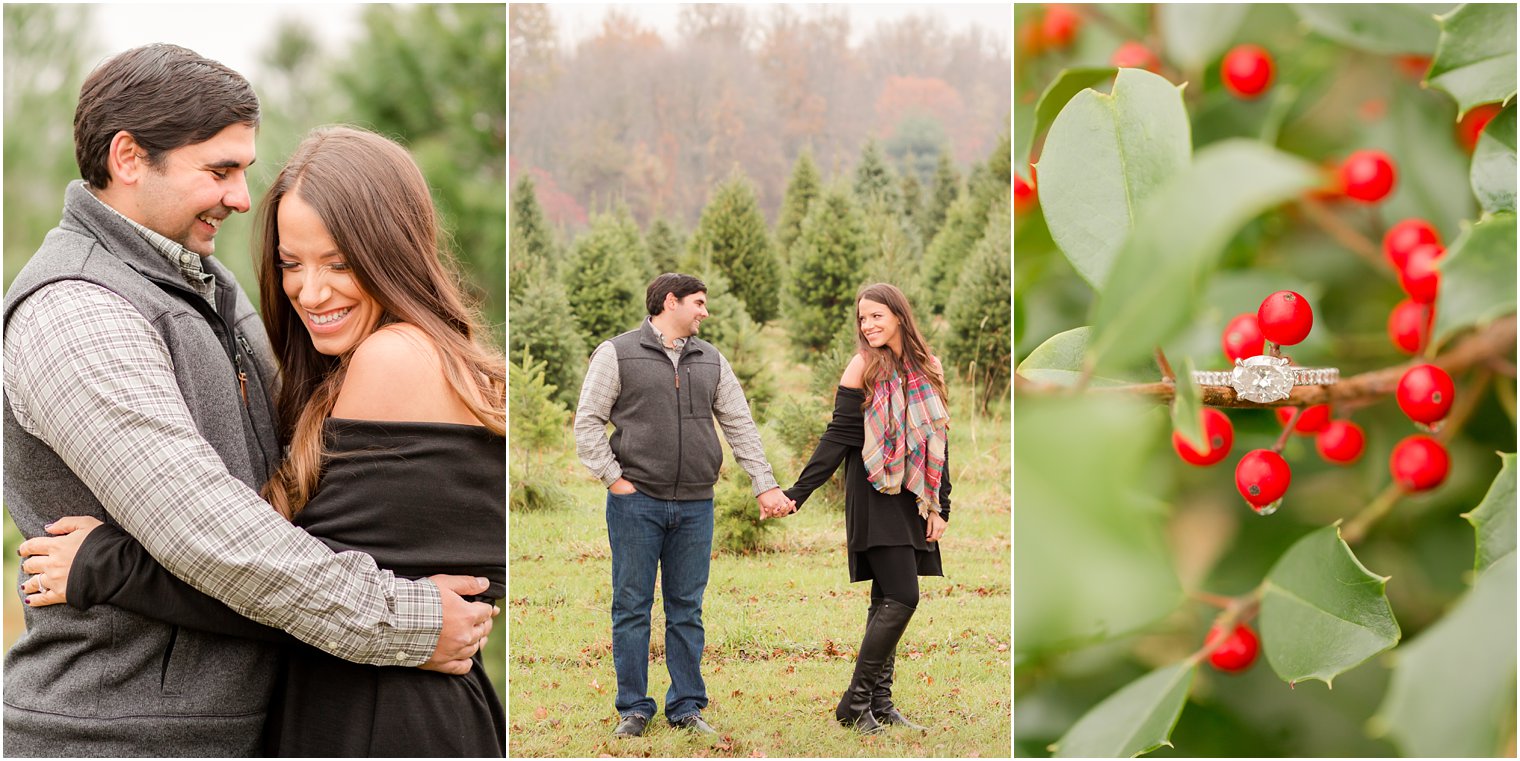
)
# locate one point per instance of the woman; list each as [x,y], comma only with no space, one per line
[890,428]
[358,306]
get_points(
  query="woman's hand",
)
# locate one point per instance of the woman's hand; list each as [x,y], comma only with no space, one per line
[936,527]
[48,559]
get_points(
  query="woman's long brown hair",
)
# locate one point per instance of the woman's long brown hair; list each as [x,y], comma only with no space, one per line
[916,352]
[375,204]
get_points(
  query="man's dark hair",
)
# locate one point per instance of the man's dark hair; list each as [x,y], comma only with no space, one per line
[166,96]
[671,282]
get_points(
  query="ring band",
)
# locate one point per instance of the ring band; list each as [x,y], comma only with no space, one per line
[1265,379]
[41,590]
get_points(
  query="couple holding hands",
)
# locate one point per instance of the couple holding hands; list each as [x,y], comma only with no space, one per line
[661,387]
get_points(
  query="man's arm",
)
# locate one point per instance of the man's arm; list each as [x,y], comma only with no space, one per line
[732,411]
[88,375]
[598,392]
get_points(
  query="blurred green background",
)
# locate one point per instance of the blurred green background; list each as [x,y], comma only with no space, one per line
[432,77]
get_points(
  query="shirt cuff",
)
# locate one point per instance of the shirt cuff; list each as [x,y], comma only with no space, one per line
[419,622]
[764,482]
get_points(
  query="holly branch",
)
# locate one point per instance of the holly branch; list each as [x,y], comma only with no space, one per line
[1496,341]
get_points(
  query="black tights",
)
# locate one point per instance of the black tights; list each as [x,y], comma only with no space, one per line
[894,572]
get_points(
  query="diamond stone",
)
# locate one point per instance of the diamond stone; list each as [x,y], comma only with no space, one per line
[1262,379]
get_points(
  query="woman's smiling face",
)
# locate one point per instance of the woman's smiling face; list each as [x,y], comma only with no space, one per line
[879,326]
[319,282]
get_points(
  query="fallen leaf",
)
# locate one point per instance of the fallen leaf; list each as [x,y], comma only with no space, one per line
[540,713]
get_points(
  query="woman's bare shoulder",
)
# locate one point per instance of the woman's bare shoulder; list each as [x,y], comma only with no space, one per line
[396,373]
[854,372]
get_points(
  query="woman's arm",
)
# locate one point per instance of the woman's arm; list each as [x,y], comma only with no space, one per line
[841,436]
[113,568]
[944,488]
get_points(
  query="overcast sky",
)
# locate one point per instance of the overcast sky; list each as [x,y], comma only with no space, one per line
[235,35]
[577,21]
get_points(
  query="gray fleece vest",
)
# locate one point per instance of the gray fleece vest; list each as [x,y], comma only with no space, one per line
[663,434]
[106,682]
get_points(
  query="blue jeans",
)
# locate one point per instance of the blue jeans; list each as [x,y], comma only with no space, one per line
[645,534]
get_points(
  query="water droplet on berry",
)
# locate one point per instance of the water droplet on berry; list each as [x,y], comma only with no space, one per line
[1269,508]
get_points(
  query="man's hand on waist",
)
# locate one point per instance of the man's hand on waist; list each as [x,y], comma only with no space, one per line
[466,625]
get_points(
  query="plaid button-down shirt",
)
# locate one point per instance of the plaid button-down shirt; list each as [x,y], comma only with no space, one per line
[88,375]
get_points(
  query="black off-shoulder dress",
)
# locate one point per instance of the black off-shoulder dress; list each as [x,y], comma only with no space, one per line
[421,499]
[871,519]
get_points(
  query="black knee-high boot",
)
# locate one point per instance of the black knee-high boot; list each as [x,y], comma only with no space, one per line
[882,709]
[883,631]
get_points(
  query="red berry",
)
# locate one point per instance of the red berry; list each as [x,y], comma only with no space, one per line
[1472,123]
[1419,463]
[1262,478]
[1060,25]
[1236,653]
[1425,394]
[1031,37]
[1242,338]
[1133,55]
[1341,442]
[1420,278]
[1406,236]
[1219,433]
[1246,71]
[1024,197]
[1314,419]
[1285,318]
[1409,325]
[1367,176]
[1414,66]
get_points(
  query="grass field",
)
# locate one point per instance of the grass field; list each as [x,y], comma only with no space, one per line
[782,627]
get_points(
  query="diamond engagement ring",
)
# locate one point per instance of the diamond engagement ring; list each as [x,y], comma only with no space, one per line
[1263,379]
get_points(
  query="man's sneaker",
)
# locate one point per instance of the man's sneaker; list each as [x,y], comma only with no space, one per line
[694,723]
[632,725]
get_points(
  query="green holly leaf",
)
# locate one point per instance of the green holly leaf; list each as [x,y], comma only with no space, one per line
[1137,719]
[1122,579]
[1493,164]
[1322,611]
[1104,156]
[1477,276]
[1187,407]
[1059,361]
[1375,28]
[1195,35]
[1453,689]
[1494,517]
[1153,287]
[1067,84]
[1475,61]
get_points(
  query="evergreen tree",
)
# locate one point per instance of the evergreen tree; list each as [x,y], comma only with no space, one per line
[826,269]
[544,326]
[532,241]
[912,205]
[605,280]
[874,181]
[538,426]
[732,237]
[801,190]
[893,253]
[981,325]
[947,187]
[664,245]
[729,328]
[965,224]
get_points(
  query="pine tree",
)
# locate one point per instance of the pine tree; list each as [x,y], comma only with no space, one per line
[605,280]
[912,205]
[874,181]
[732,237]
[826,269]
[947,187]
[965,224]
[664,245]
[538,426]
[532,242]
[544,326]
[801,190]
[981,325]
[729,328]
[893,252]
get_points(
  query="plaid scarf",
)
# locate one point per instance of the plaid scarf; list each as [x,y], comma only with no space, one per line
[907,426]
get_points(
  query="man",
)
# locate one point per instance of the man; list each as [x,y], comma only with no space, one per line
[661,387]
[138,385]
